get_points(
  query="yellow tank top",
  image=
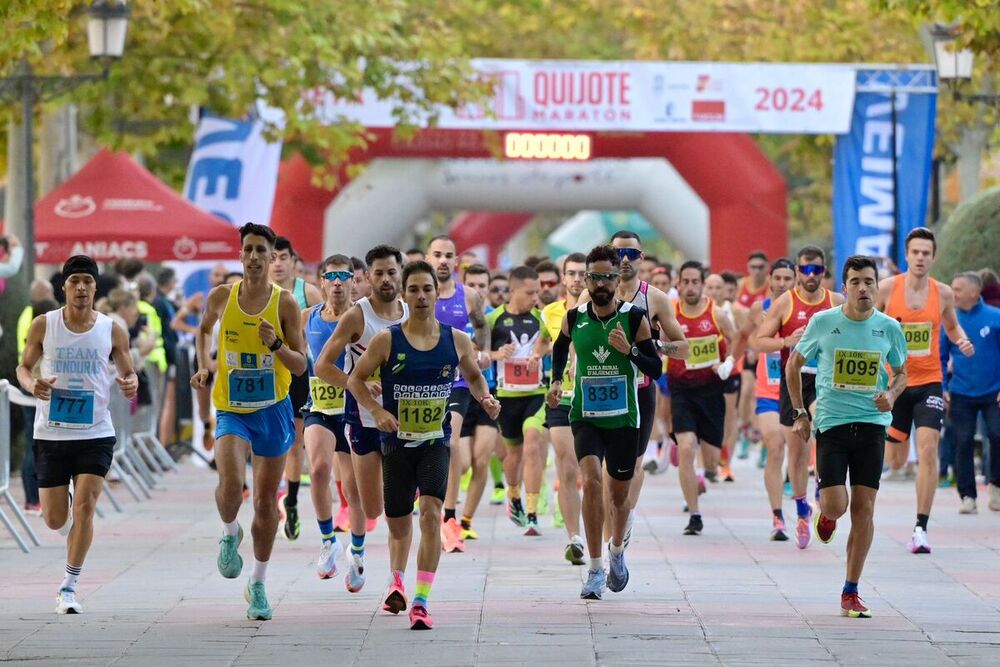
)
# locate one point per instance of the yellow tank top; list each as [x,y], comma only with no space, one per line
[250,376]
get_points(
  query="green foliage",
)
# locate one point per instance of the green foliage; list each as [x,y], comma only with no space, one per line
[970,240]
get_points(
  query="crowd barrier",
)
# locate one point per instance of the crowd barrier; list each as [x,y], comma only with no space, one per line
[9,394]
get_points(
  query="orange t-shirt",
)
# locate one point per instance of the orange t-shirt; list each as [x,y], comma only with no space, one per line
[922,330]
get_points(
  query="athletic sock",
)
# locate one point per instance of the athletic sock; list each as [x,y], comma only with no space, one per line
[259,571]
[802,506]
[357,545]
[326,529]
[424,581]
[72,576]
[597,563]
[696,515]
[850,587]
[532,505]
[616,550]
[466,521]
[232,528]
[514,492]
[449,514]
[340,492]
[922,521]
[778,513]
[292,499]
[496,471]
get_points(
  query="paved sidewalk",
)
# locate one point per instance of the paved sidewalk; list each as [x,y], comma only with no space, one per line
[152,594]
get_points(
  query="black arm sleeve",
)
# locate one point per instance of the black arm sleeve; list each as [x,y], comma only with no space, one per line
[560,354]
[647,361]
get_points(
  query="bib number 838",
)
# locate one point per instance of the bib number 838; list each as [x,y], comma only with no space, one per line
[602,393]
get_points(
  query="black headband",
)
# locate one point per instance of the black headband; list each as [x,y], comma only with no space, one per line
[79,264]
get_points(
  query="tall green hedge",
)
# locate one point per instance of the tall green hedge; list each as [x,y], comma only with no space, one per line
[970,240]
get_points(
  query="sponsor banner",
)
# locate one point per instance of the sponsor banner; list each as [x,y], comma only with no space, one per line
[628,96]
[865,220]
[181,249]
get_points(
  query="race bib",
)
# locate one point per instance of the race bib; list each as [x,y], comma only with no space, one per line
[71,408]
[856,370]
[421,418]
[326,398]
[772,362]
[704,352]
[515,375]
[918,338]
[251,387]
[604,396]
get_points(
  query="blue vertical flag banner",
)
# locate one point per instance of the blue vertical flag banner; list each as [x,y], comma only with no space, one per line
[864,217]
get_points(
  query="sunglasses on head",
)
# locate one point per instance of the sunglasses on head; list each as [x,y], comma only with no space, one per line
[631,254]
[812,269]
[343,276]
[548,284]
[602,277]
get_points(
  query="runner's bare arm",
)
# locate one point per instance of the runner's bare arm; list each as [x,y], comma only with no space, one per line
[217,299]
[469,367]
[886,399]
[121,355]
[956,334]
[762,339]
[374,357]
[348,330]
[481,330]
[884,290]
[734,342]
[313,295]
[675,344]
[32,353]
[293,352]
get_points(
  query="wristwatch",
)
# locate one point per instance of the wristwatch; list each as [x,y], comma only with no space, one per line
[634,351]
[276,345]
[798,413]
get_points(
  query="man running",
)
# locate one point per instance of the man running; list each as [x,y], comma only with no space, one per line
[750,290]
[853,344]
[921,304]
[73,434]
[459,308]
[721,289]
[416,361]
[283,274]
[355,330]
[613,347]
[783,326]
[260,347]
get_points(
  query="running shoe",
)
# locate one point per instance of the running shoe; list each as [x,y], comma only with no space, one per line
[370,524]
[649,458]
[68,526]
[66,602]
[743,448]
[557,518]
[675,458]
[465,480]
[305,479]
[726,473]
[803,535]
[451,537]
[469,533]
[342,522]
[593,588]
[230,562]
[33,509]
[395,601]
[787,489]
[994,492]
[629,522]
[532,527]
[712,476]
[918,542]
[355,579]
[499,494]
[515,512]
[279,496]
[420,619]
[617,571]
[968,506]
[326,564]
[778,530]
[574,551]
[259,609]
[762,457]
[851,605]
[695,526]
[825,528]
[292,527]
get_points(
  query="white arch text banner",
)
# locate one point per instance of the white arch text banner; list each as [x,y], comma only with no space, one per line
[631,96]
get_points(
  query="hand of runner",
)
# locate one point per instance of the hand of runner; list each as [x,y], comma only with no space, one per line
[491,406]
[43,388]
[796,336]
[555,394]
[802,428]
[533,363]
[200,378]
[966,348]
[384,421]
[507,350]
[618,340]
[128,385]
[374,388]
[725,369]
[267,333]
[483,359]
[883,401]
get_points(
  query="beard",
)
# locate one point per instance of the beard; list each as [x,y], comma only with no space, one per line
[602,297]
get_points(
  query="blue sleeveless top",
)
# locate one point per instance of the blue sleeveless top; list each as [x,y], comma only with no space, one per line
[453,312]
[318,331]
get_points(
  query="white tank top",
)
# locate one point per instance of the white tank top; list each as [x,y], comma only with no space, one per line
[373,325]
[81,364]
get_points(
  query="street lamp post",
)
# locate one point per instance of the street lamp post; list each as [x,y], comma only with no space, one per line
[954,66]
[107,26]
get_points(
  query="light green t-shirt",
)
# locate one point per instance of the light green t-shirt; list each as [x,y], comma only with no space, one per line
[852,358]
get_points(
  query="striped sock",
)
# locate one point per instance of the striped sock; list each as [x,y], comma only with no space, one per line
[326,529]
[424,581]
[73,574]
[357,544]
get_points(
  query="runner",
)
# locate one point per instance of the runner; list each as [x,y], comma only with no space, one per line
[752,289]
[696,386]
[416,361]
[613,346]
[283,274]
[355,330]
[74,438]
[258,353]
[768,379]
[499,294]
[459,308]
[325,439]
[921,304]
[781,329]
[852,343]
[721,289]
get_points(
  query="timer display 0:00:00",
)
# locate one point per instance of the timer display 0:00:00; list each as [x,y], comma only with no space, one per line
[533,146]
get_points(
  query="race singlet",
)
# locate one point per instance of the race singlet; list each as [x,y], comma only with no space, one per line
[855,370]
[326,398]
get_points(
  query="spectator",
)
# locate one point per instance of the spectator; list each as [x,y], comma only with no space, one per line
[15,256]
[166,283]
[991,287]
[974,388]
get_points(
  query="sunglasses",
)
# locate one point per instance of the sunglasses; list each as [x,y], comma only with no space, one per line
[499,290]
[548,284]
[812,269]
[631,254]
[603,277]
[343,276]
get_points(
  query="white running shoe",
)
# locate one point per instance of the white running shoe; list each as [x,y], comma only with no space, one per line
[994,492]
[355,579]
[649,458]
[918,542]
[66,602]
[326,564]
[968,506]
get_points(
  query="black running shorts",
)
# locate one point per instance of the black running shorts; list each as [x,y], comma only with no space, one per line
[59,461]
[406,470]
[856,449]
[615,446]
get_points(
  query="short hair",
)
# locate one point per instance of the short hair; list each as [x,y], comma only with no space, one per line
[282,243]
[443,237]
[383,252]
[358,264]
[603,253]
[523,273]
[651,258]
[547,266]
[128,267]
[811,252]
[972,277]
[575,258]
[415,251]
[988,275]
[534,260]
[921,233]
[164,276]
[694,264]
[258,230]
[418,266]
[859,263]
[146,285]
[478,270]
[757,254]
[626,234]
[121,298]
[730,277]
[232,274]
[669,267]
[336,260]
[499,276]
[783,263]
